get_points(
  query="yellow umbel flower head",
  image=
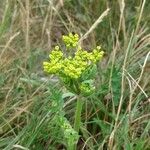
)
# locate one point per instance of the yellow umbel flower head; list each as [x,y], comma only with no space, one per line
[73,66]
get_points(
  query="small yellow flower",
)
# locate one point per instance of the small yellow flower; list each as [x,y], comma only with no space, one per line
[98,47]
[57,47]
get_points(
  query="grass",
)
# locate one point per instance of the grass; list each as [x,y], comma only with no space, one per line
[116,116]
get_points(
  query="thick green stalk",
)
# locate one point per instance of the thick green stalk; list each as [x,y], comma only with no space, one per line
[77,121]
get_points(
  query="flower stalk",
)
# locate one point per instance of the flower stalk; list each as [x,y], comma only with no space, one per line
[77,121]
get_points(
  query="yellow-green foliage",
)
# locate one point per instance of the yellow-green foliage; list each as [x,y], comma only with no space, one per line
[71,66]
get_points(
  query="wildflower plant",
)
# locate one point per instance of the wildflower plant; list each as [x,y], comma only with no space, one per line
[76,68]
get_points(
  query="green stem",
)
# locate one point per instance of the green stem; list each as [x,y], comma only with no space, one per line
[77,121]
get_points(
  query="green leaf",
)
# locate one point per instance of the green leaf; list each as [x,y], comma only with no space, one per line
[90,73]
[105,127]
[68,94]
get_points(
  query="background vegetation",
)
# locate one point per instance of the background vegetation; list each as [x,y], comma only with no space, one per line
[116,116]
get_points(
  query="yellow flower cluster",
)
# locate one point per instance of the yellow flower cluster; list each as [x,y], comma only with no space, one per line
[54,66]
[72,66]
[71,40]
[89,57]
